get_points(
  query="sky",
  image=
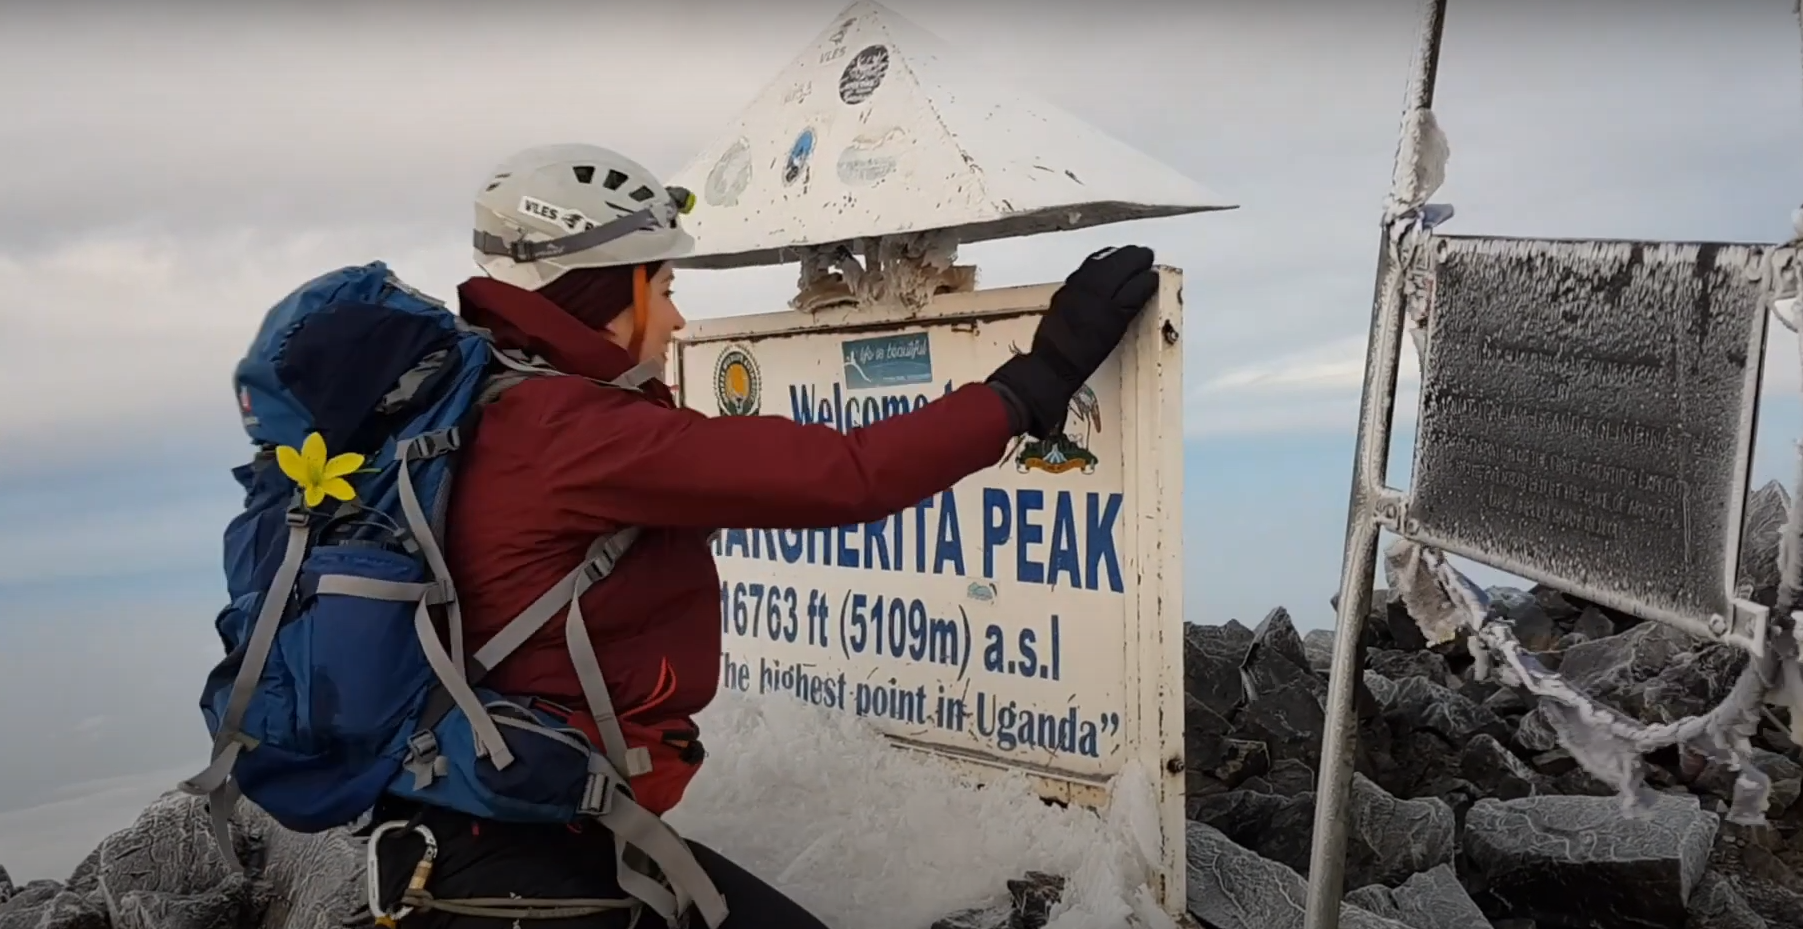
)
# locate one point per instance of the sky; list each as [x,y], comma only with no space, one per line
[172,169]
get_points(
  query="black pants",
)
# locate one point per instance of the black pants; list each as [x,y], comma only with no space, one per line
[478,858]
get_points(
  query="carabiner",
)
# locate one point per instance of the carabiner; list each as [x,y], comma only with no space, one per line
[415,884]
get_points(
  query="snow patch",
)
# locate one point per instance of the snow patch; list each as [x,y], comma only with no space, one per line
[864,834]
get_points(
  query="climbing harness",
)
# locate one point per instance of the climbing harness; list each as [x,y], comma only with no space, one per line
[416,898]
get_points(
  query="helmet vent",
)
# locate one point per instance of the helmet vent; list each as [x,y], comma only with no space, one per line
[614,180]
[585,174]
[642,194]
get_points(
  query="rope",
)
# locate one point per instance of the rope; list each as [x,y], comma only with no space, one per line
[1606,743]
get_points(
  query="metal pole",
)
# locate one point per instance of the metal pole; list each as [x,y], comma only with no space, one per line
[1327,853]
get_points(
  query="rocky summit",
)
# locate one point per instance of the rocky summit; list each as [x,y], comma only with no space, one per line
[1464,810]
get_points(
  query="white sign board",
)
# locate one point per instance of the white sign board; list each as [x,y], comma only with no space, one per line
[1029,618]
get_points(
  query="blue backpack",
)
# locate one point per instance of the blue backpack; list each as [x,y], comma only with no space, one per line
[338,686]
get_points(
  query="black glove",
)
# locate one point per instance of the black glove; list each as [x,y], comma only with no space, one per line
[1087,318]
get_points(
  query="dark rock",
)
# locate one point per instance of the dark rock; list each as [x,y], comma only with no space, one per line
[1288,719]
[1383,689]
[1593,624]
[1579,783]
[85,879]
[1244,758]
[1318,645]
[1716,904]
[1212,754]
[1274,826]
[1276,661]
[1400,627]
[1569,640]
[1578,861]
[1432,899]
[1211,664]
[1395,838]
[1554,763]
[1554,604]
[1229,887]
[1690,684]
[1506,702]
[1608,669]
[1769,887]
[994,916]
[1496,771]
[1420,704]
[1534,734]
[1455,792]
[1534,628]
[1029,901]
[1290,777]
[46,905]
[1786,776]
[1388,839]
[1477,691]
[1287,778]
[1033,897]
[1400,665]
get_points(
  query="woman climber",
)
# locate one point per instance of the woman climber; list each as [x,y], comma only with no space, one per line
[576,244]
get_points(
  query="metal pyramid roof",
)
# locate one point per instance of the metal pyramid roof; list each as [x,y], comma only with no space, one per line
[878,128]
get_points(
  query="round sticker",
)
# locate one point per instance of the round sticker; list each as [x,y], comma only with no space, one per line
[863,74]
[730,176]
[737,384]
[799,153]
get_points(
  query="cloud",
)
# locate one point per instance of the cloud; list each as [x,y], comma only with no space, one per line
[1316,388]
[192,163]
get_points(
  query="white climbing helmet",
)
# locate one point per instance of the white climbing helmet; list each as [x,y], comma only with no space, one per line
[554,208]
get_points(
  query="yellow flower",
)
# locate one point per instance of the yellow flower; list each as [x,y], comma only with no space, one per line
[318,476]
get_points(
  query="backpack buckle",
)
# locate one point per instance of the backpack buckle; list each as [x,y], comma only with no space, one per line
[603,783]
[433,444]
[297,517]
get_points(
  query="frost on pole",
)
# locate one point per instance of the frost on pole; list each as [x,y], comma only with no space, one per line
[878,136]
[1586,416]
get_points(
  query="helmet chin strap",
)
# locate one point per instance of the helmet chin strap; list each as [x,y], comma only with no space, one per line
[641,312]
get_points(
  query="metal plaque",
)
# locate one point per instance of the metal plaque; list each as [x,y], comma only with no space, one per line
[1587,416]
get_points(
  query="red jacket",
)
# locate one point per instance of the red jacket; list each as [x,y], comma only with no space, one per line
[559,460]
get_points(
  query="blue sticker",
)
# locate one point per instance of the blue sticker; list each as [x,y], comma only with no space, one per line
[888,361]
[799,153]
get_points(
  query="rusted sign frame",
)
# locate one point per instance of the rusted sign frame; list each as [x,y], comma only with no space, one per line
[1374,506]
